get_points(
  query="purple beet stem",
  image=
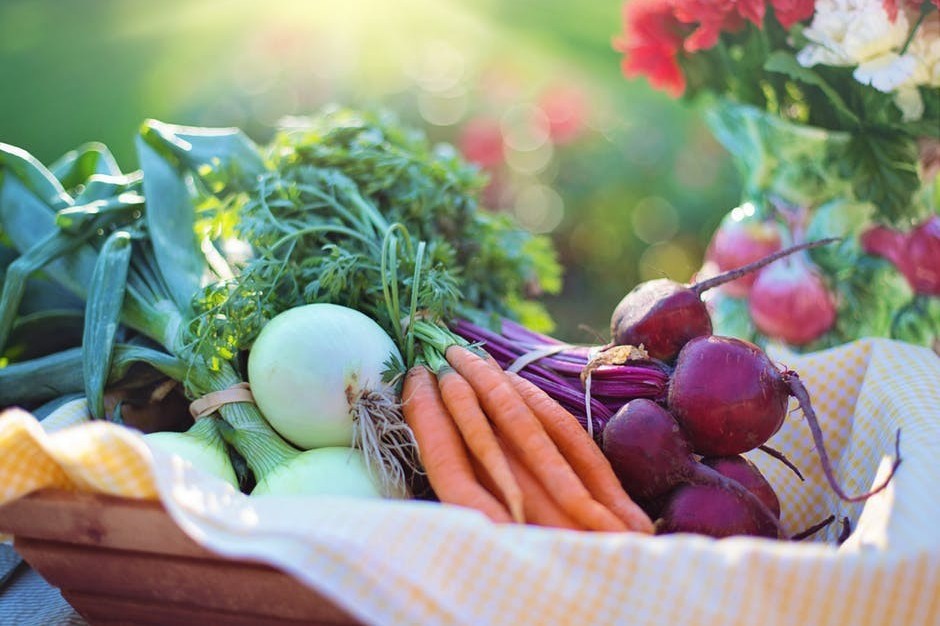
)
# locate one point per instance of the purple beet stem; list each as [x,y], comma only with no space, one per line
[559,375]
[726,277]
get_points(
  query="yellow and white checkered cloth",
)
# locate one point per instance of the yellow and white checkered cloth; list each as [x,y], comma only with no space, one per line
[423,563]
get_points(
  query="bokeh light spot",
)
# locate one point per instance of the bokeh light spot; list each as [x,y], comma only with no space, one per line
[539,208]
[669,259]
[654,220]
[525,127]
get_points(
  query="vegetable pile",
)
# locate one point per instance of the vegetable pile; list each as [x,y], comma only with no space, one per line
[724,397]
[340,317]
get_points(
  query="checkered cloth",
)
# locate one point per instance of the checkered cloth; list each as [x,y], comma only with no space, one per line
[395,562]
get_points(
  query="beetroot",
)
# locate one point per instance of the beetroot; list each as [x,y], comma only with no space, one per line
[651,456]
[646,448]
[915,254]
[742,470]
[790,302]
[728,398]
[662,315]
[727,395]
[715,511]
[739,240]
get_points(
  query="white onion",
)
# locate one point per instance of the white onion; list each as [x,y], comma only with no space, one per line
[200,446]
[310,365]
[334,471]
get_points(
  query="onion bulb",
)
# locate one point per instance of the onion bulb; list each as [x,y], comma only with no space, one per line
[309,368]
[201,445]
[334,471]
[316,374]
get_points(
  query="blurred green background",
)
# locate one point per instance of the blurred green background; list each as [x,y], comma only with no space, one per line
[628,183]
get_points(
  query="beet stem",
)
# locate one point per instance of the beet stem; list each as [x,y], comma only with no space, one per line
[727,277]
[798,390]
[812,530]
[780,456]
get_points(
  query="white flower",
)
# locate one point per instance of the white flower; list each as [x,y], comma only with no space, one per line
[925,50]
[924,57]
[887,72]
[859,33]
[856,32]
[911,104]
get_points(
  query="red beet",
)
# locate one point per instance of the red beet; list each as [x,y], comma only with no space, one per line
[916,254]
[651,456]
[726,395]
[740,469]
[662,315]
[728,398]
[739,240]
[790,302]
[646,448]
[715,511]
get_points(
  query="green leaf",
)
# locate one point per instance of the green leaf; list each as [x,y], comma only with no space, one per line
[28,221]
[882,167]
[44,332]
[782,62]
[928,124]
[54,246]
[224,156]
[76,166]
[170,218]
[102,316]
[33,175]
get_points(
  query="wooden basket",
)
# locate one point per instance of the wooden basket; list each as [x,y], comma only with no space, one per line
[122,561]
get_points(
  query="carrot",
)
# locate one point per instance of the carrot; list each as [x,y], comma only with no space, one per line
[585,457]
[540,509]
[478,435]
[513,418]
[441,449]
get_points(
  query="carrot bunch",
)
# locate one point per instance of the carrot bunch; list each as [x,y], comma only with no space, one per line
[493,441]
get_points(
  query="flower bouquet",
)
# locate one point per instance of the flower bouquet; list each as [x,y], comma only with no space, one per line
[831,111]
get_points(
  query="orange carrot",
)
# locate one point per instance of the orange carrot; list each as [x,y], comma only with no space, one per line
[478,435]
[441,449]
[540,509]
[513,418]
[585,457]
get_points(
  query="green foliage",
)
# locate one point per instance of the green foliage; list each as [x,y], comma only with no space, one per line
[882,166]
[358,210]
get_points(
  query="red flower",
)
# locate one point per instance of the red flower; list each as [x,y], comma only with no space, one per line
[789,12]
[651,42]
[715,17]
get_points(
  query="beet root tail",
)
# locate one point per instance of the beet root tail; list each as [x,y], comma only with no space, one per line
[780,456]
[812,530]
[799,391]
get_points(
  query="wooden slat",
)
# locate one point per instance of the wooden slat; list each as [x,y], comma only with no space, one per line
[111,611]
[98,520]
[215,585]
[123,561]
